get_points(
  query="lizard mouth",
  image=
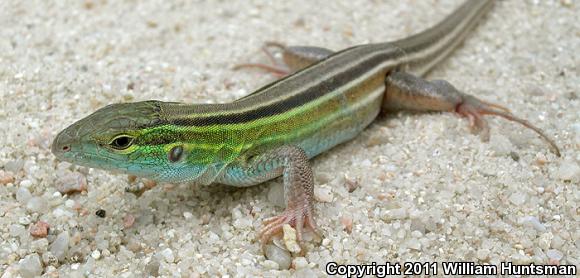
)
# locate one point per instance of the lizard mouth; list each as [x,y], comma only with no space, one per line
[104,162]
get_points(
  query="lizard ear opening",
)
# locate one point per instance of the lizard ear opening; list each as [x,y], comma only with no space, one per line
[175,153]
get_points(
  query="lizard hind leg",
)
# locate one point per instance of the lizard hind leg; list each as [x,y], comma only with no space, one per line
[408,92]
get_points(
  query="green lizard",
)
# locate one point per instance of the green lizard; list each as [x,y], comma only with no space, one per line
[325,99]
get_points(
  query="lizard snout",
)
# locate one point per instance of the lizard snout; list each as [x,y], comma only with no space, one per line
[62,143]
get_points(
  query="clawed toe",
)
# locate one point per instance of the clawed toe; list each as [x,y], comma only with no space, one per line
[274,70]
[477,123]
[474,109]
[274,67]
[297,218]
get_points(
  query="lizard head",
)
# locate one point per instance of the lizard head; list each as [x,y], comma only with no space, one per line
[133,138]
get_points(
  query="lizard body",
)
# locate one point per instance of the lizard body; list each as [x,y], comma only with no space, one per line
[326,99]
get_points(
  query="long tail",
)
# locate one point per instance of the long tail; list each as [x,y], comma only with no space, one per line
[425,49]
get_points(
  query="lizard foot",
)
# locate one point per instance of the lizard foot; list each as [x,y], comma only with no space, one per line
[408,92]
[474,109]
[298,218]
[274,67]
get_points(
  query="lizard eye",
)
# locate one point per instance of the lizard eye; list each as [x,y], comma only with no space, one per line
[121,142]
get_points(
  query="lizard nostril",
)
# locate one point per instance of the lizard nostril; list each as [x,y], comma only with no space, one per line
[66,148]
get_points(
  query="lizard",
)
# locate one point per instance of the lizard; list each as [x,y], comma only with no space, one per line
[322,99]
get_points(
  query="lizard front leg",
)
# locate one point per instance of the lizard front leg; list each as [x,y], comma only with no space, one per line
[292,162]
[298,193]
[407,92]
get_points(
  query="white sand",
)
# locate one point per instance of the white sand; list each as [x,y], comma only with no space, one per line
[429,190]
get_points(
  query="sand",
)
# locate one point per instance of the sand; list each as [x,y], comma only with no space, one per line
[428,190]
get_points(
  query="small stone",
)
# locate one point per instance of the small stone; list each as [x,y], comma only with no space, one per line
[205,218]
[351,184]
[187,215]
[414,244]
[39,229]
[533,222]
[39,245]
[545,240]
[300,263]
[24,220]
[243,222]
[131,178]
[567,3]
[389,196]
[149,184]
[396,214]
[540,159]
[17,230]
[60,212]
[14,166]
[347,221]
[482,254]
[575,127]
[290,240]
[26,183]
[71,182]
[69,203]
[152,268]
[280,256]
[49,259]
[515,156]
[96,254]
[558,242]
[6,178]
[106,252]
[23,195]
[101,213]
[170,233]
[554,254]
[167,255]
[59,248]
[416,234]
[269,264]
[128,221]
[323,194]
[37,204]
[518,198]
[30,266]
[305,272]
[569,171]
